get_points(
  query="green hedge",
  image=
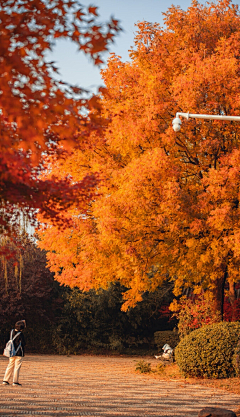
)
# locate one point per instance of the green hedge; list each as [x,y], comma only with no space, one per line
[208,352]
[166,336]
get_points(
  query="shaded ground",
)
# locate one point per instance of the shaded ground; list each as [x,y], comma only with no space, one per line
[102,386]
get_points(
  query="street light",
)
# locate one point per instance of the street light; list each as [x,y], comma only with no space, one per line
[177,121]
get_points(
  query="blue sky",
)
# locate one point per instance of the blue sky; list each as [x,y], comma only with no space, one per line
[76,68]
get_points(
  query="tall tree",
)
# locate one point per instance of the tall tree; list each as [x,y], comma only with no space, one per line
[168,203]
[39,115]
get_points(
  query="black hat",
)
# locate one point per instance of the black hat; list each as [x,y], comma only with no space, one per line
[20,325]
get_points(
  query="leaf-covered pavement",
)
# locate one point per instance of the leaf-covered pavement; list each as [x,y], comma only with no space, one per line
[102,386]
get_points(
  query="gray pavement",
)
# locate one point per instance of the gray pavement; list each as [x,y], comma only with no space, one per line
[104,387]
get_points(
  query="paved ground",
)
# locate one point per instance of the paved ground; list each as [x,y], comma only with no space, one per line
[101,386]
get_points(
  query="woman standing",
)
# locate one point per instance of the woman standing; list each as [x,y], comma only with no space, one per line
[15,362]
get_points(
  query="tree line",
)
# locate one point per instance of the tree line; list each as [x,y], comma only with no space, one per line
[64,320]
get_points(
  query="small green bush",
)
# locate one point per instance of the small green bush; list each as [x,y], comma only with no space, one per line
[208,352]
[167,336]
[143,367]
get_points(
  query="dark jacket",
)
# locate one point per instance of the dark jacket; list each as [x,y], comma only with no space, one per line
[19,338]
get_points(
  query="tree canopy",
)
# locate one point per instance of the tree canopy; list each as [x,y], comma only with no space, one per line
[167,205]
[39,115]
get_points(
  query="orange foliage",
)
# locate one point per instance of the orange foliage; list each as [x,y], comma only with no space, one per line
[167,204]
[38,115]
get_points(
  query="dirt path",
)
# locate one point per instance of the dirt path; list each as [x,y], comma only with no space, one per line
[101,386]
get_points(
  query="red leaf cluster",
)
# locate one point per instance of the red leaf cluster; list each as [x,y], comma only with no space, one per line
[38,115]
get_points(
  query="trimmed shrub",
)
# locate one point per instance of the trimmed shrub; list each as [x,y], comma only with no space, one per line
[236,359]
[208,352]
[167,336]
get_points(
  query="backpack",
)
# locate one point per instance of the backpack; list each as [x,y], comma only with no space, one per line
[10,350]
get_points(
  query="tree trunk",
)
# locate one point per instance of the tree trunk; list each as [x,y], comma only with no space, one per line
[218,293]
[232,299]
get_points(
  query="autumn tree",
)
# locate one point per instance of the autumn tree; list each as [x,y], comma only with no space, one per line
[168,203]
[39,115]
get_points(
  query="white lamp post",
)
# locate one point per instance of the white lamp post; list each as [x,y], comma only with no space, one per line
[177,121]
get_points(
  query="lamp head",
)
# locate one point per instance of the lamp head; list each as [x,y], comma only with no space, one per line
[176,124]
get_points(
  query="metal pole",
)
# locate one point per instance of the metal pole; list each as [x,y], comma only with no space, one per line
[177,121]
[208,116]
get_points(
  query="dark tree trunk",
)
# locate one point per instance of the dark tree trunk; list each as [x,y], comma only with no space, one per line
[219,294]
[232,299]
